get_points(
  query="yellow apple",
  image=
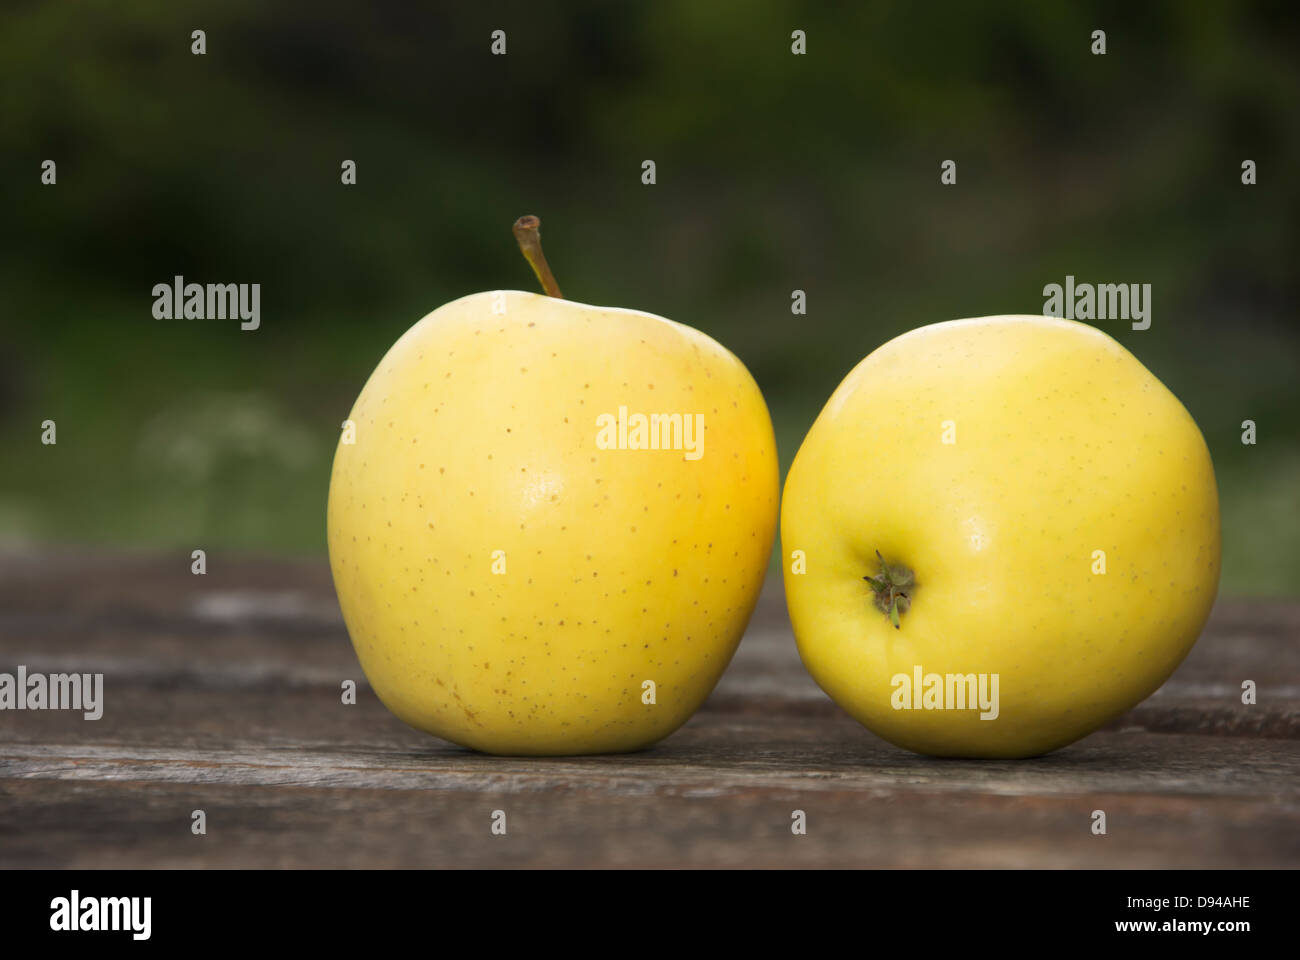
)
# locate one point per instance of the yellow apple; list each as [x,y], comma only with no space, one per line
[999,534]
[524,566]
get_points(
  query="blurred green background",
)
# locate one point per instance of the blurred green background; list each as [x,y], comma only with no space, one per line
[775,172]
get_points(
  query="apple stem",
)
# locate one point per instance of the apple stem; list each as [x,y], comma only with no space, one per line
[527,233]
[894,587]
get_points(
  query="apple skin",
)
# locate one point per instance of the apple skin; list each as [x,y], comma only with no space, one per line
[477,433]
[1065,444]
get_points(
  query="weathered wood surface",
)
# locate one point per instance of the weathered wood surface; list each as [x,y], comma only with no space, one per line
[222,693]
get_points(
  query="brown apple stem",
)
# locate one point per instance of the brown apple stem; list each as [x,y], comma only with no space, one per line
[527,232]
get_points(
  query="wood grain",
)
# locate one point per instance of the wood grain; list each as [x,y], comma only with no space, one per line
[223,695]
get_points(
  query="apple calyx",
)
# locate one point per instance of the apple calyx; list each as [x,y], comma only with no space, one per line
[893,588]
[527,231]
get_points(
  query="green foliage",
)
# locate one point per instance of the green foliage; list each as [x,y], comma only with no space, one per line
[775,173]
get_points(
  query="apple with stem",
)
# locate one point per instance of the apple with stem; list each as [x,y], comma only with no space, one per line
[552,523]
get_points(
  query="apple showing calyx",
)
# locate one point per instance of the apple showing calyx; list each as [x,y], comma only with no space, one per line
[551,524]
[1007,534]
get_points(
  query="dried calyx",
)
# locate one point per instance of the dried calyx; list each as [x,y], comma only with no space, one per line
[893,587]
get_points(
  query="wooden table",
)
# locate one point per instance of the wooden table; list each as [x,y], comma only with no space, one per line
[222,694]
